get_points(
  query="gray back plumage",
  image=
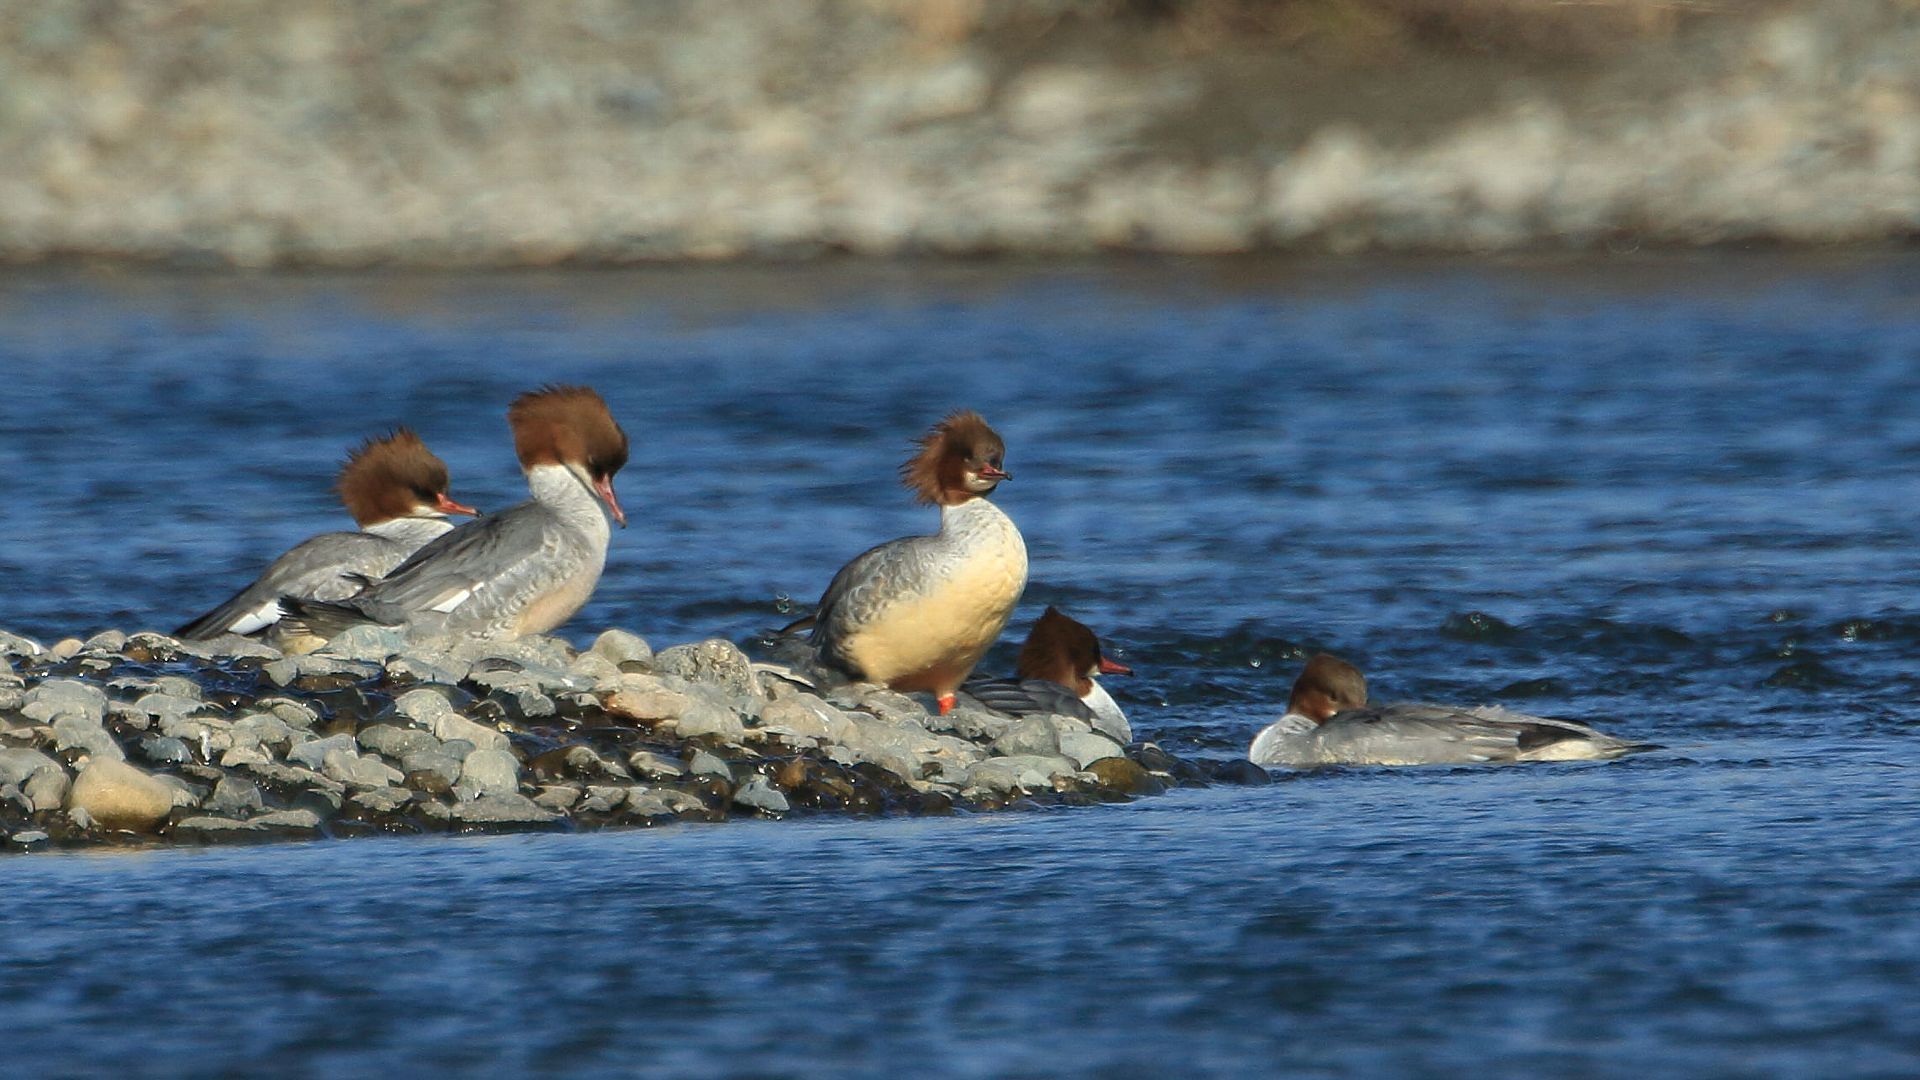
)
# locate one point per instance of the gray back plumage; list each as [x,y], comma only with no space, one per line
[331,566]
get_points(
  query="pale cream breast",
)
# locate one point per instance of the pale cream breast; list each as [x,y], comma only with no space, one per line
[933,640]
[558,604]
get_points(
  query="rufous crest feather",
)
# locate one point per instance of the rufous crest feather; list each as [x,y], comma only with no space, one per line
[1059,649]
[567,425]
[390,477]
[936,474]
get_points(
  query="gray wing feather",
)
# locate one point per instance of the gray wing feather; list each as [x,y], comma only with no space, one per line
[1027,697]
[1438,734]
[480,551]
[331,566]
[860,591]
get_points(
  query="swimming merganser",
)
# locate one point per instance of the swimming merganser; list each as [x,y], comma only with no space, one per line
[1058,673]
[396,489]
[522,571]
[1328,722]
[918,613]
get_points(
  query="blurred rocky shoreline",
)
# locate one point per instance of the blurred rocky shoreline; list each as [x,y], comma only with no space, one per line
[144,739]
[310,133]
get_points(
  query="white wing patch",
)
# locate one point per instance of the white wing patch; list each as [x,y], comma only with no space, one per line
[258,619]
[453,601]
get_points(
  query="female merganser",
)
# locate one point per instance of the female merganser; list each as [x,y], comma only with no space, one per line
[522,571]
[396,489]
[1328,722]
[918,613]
[1058,673]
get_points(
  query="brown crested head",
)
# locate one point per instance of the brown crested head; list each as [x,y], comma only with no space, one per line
[1063,650]
[1326,686]
[394,476]
[570,426]
[959,459]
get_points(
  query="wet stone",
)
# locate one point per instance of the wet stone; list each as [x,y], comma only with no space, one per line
[704,717]
[313,753]
[351,769]
[980,725]
[15,645]
[296,714]
[438,668]
[262,730]
[558,798]
[760,795]
[647,698]
[619,647]
[118,796]
[382,800]
[47,788]
[1122,774]
[75,732]
[715,662]
[178,686]
[396,742]
[238,756]
[659,766]
[503,809]
[648,804]
[452,726]
[1029,735]
[297,820]
[430,782]
[1086,748]
[705,763]
[1241,772]
[596,669]
[234,795]
[813,719]
[422,763]
[487,772]
[106,641]
[18,763]
[366,643]
[603,798]
[56,698]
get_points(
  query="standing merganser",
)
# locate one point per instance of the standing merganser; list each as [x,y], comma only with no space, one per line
[1328,722]
[918,613]
[1058,673]
[522,571]
[396,489]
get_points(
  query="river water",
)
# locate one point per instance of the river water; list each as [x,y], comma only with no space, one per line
[1674,496]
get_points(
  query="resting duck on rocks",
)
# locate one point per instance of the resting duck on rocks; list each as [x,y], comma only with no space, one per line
[396,490]
[1058,672]
[916,614]
[522,571]
[1328,722]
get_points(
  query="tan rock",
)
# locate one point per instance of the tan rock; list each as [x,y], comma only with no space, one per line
[119,796]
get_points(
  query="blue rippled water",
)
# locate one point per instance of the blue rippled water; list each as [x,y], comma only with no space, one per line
[1675,496]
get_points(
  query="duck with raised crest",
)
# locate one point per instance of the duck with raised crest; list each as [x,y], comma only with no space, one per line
[1328,722]
[525,570]
[1058,673]
[396,489]
[916,614]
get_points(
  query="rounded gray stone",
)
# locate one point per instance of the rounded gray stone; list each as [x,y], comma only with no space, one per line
[488,772]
